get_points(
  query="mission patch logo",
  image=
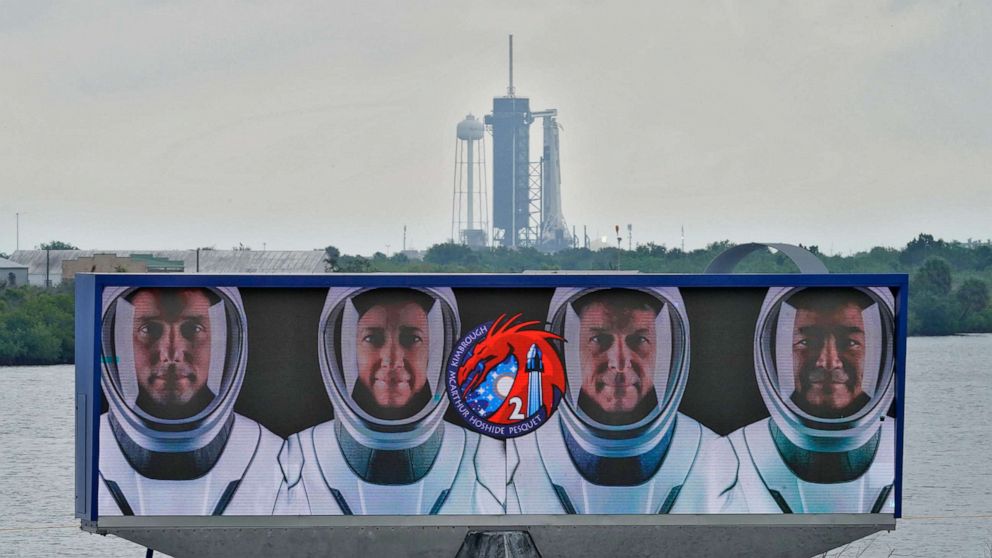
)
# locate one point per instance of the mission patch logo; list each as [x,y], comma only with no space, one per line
[505,378]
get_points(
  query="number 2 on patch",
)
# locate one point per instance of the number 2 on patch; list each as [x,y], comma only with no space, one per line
[517,404]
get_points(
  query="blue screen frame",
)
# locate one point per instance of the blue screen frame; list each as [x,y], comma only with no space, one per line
[89,292]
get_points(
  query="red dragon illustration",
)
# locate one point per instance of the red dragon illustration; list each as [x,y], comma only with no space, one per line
[502,341]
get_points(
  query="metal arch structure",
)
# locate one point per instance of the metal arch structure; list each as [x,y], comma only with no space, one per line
[806,261]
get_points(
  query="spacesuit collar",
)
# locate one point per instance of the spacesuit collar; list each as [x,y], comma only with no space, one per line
[825,467]
[157,465]
[390,467]
[617,471]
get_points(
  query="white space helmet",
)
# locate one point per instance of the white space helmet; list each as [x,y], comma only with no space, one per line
[671,368]
[227,326]
[774,366]
[338,345]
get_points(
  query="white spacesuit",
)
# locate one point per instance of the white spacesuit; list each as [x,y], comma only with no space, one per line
[809,461]
[364,463]
[212,463]
[576,463]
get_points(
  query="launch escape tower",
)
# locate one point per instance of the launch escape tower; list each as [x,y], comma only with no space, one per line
[526,194]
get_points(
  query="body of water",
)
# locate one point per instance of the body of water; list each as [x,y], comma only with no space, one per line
[947,501]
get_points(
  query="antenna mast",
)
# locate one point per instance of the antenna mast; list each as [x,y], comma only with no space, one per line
[509,90]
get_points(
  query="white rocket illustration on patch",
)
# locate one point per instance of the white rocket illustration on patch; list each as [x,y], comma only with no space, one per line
[535,368]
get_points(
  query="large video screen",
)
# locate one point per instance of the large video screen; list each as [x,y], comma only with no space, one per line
[554,400]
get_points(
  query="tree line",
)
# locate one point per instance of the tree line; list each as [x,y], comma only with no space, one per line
[36,325]
[949,283]
[949,280]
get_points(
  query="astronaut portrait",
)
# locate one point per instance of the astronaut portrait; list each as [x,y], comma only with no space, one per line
[393,342]
[825,367]
[617,444]
[828,352]
[618,343]
[173,363]
[388,450]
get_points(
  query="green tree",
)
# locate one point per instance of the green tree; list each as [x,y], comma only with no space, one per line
[36,326]
[983,257]
[920,249]
[331,256]
[973,297]
[651,249]
[354,264]
[932,315]
[58,245]
[932,309]
[933,277]
[450,253]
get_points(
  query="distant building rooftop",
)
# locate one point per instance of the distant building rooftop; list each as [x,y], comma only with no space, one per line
[44,264]
[156,265]
[12,273]
[8,264]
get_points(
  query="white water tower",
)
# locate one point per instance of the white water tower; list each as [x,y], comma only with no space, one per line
[469,205]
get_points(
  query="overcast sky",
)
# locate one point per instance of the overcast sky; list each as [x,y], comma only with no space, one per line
[157,125]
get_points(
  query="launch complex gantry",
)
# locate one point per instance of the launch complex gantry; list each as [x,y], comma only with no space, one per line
[526,194]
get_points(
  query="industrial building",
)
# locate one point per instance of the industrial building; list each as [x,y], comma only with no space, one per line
[12,273]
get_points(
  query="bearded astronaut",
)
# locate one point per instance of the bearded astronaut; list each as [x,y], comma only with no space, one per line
[617,444]
[173,362]
[824,361]
[388,450]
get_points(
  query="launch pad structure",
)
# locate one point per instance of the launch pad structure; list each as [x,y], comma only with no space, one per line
[526,194]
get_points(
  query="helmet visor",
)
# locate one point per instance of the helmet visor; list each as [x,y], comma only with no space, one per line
[387,350]
[624,349]
[830,351]
[171,354]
